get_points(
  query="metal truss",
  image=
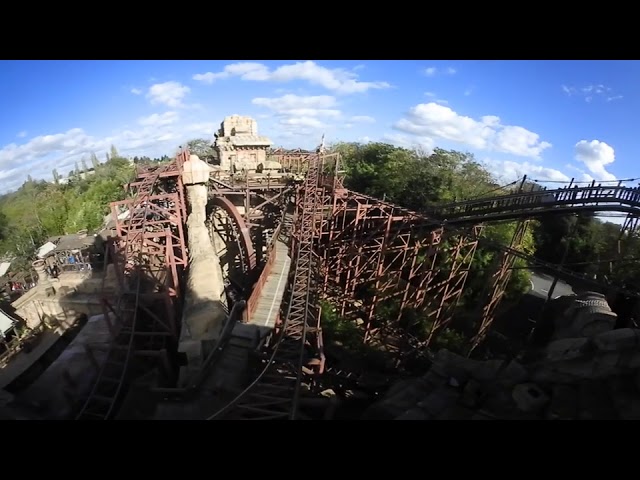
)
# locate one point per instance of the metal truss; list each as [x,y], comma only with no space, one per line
[447,293]
[375,254]
[297,353]
[149,255]
[294,161]
[498,284]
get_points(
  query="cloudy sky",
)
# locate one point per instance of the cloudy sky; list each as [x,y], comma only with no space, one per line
[552,120]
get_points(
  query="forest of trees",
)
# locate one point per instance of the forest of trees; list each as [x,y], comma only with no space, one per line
[40,209]
[414,179]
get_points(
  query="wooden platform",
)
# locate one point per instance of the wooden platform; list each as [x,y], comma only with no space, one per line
[269,304]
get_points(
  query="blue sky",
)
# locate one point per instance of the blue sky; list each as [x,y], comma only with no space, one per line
[552,120]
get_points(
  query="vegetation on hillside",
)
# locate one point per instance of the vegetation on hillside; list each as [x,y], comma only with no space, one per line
[41,209]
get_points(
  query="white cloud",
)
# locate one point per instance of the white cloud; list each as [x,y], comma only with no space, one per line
[288,103]
[508,171]
[431,121]
[301,115]
[156,135]
[136,91]
[170,94]
[590,92]
[362,119]
[584,176]
[338,80]
[434,98]
[596,155]
[22,134]
[433,71]
[302,122]
[469,91]
[406,141]
[158,119]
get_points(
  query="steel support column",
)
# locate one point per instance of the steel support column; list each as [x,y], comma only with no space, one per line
[498,284]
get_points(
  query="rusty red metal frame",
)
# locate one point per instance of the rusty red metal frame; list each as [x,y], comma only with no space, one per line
[498,284]
[295,161]
[445,295]
[368,245]
[149,256]
[274,394]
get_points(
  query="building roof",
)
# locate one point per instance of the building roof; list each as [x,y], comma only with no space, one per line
[76,241]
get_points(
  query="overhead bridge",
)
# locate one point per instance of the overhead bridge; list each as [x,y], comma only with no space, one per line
[531,204]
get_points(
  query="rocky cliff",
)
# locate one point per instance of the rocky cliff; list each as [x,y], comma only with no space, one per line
[585,368]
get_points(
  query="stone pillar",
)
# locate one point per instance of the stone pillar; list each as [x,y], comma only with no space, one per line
[204,307]
[43,279]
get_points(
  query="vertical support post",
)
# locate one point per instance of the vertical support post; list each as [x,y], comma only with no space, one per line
[498,285]
[448,296]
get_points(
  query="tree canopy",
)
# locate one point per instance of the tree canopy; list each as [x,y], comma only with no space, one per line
[40,209]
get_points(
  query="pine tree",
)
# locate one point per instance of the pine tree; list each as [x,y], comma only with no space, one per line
[56,177]
[77,168]
[114,152]
[94,161]
[84,165]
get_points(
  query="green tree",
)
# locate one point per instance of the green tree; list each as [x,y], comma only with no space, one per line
[202,148]
[94,161]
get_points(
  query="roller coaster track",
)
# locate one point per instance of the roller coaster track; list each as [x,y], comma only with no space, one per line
[109,386]
[275,392]
[529,204]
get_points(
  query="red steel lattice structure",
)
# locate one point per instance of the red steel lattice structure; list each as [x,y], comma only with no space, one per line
[148,255]
[372,248]
[297,353]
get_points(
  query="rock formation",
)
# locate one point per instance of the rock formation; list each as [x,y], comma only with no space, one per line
[585,370]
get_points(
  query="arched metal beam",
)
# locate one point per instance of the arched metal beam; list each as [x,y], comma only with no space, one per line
[243,229]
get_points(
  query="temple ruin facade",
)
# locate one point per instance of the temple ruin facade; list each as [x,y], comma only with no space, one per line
[238,147]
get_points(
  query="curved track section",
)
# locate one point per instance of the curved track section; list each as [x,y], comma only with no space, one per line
[236,231]
[530,204]
[148,256]
[274,394]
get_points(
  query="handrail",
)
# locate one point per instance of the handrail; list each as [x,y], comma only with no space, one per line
[212,359]
[256,292]
[598,198]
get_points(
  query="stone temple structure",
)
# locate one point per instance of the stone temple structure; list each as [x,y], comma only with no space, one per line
[238,146]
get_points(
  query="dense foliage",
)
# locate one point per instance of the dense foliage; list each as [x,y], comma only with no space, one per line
[40,209]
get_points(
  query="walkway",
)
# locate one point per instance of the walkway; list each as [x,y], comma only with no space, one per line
[268,307]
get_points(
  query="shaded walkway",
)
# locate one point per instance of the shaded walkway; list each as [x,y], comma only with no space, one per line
[268,305]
